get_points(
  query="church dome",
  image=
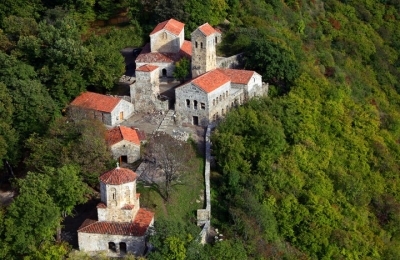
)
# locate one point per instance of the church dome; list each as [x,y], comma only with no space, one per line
[118,176]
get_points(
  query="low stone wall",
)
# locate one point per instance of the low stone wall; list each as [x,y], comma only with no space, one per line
[204,215]
[232,62]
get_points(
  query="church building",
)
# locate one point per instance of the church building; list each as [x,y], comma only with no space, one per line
[121,226]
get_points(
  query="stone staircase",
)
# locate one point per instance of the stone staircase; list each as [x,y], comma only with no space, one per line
[167,121]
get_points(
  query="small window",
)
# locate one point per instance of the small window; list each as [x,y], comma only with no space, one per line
[164,35]
[203,106]
[196,45]
[213,102]
[216,40]
[188,103]
[112,247]
[201,45]
[195,104]
[113,194]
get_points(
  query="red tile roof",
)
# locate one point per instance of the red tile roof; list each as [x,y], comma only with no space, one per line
[211,80]
[173,26]
[238,76]
[120,133]
[146,56]
[128,207]
[207,29]
[101,205]
[118,176]
[187,48]
[138,227]
[91,100]
[147,68]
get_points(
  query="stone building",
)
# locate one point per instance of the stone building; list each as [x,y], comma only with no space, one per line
[204,51]
[121,226]
[167,46]
[145,91]
[124,143]
[211,95]
[109,110]
[212,91]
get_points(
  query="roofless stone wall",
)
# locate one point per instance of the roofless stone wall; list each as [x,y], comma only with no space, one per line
[232,62]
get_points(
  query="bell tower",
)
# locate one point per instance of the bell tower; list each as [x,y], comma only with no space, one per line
[204,51]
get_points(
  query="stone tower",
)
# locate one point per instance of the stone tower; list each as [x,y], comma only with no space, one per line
[204,56]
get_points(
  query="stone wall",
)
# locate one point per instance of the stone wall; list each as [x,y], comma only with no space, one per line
[204,215]
[100,242]
[164,67]
[116,197]
[126,148]
[123,106]
[204,56]
[164,41]
[232,62]
[191,101]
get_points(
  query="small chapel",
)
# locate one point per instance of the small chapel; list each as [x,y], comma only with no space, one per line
[121,226]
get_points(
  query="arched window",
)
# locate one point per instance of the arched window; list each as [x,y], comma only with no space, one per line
[164,35]
[201,45]
[188,103]
[213,102]
[196,45]
[195,104]
[216,40]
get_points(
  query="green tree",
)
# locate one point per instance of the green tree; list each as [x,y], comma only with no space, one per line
[33,217]
[78,142]
[182,69]
[8,136]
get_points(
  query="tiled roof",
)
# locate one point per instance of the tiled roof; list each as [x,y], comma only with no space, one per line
[101,205]
[147,68]
[99,102]
[211,80]
[207,29]
[146,56]
[138,227]
[120,133]
[187,48]
[173,26]
[118,176]
[128,207]
[239,76]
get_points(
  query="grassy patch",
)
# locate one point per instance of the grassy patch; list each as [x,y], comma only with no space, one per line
[182,204]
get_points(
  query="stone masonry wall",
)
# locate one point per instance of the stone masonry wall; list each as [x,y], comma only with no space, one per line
[99,242]
[125,148]
[127,110]
[232,62]
[164,41]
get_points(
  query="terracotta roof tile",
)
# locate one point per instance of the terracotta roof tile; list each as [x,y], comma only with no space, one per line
[146,56]
[187,48]
[101,205]
[138,227]
[128,207]
[147,68]
[207,29]
[238,76]
[211,80]
[173,26]
[118,176]
[99,102]
[120,133]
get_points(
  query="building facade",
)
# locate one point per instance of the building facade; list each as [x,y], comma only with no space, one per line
[121,226]
[109,110]
[124,143]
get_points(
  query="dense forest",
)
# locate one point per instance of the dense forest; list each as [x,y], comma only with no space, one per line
[309,172]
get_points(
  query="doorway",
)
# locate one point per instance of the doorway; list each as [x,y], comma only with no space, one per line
[123,159]
[121,115]
[164,72]
[122,248]
[111,247]
[195,120]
